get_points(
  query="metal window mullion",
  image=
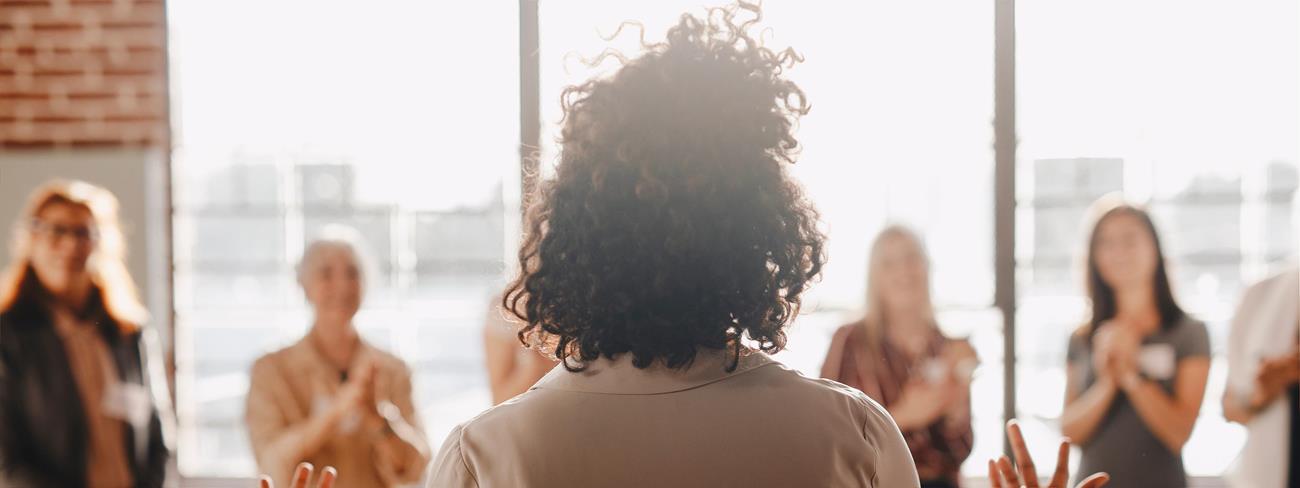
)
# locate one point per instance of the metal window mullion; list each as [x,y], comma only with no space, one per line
[530,117]
[1004,194]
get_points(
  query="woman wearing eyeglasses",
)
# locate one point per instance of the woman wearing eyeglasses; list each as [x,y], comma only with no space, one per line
[82,401]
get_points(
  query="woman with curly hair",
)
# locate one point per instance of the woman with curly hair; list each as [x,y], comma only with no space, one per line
[660,267]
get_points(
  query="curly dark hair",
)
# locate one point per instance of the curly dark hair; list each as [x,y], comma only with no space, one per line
[671,224]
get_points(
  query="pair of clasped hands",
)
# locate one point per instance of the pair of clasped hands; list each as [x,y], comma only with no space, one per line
[1115,352]
[1002,472]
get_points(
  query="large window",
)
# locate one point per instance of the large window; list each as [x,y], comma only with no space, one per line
[401,119]
[293,115]
[1188,107]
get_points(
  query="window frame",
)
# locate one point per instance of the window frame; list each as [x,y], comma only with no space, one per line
[518,192]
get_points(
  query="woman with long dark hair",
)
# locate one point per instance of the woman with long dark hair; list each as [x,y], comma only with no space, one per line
[82,399]
[1137,369]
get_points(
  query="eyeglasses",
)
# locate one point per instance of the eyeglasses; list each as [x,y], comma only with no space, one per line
[56,232]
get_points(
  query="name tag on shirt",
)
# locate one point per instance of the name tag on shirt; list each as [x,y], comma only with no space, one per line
[349,424]
[128,402]
[1158,361]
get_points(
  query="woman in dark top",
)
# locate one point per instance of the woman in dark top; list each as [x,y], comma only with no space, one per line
[79,403]
[897,355]
[1138,367]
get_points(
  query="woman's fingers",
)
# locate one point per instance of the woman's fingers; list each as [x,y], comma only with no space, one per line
[1002,474]
[1095,481]
[1008,472]
[1023,461]
[327,477]
[1062,474]
[301,475]
[995,480]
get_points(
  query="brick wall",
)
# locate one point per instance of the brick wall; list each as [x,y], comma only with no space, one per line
[77,73]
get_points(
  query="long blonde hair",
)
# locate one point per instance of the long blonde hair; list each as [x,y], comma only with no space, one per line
[874,319]
[106,265]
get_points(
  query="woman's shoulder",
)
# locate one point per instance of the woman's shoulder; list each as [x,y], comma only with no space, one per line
[291,357]
[1189,324]
[1190,332]
[271,360]
[387,362]
[814,390]
[23,314]
[827,396]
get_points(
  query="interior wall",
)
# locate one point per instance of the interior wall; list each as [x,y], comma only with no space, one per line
[136,176]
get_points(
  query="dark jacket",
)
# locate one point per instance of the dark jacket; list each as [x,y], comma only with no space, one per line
[43,433]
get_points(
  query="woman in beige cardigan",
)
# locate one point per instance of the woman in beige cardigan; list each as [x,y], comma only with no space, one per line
[331,399]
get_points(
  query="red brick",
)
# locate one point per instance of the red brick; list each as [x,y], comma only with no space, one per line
[46,14]
[82,72]
[56,107]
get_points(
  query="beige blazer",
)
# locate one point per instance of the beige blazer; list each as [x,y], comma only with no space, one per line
[613,425]
[291,385]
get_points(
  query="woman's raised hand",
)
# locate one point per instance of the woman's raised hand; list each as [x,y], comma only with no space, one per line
[302,476]
[1023,475]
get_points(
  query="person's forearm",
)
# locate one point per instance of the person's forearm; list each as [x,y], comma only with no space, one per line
[411,451]
[1167,420]
[302,441]
[906,419]
[959,434]
[1234,409]
[1081,417]
[402,450]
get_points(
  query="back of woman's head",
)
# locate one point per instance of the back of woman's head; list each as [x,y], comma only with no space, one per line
[106,265]
[671,224]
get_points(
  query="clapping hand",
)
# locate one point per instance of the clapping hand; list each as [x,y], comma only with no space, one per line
[1275,375]
[1115,350]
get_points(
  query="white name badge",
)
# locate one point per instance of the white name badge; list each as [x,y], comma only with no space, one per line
[349,424]
[1157,361]
[128,402]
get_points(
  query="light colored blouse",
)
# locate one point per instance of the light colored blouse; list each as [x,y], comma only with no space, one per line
[1269,314]
[290,385]
[761,425]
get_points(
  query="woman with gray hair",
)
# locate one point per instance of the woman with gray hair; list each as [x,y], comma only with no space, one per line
[331,399]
